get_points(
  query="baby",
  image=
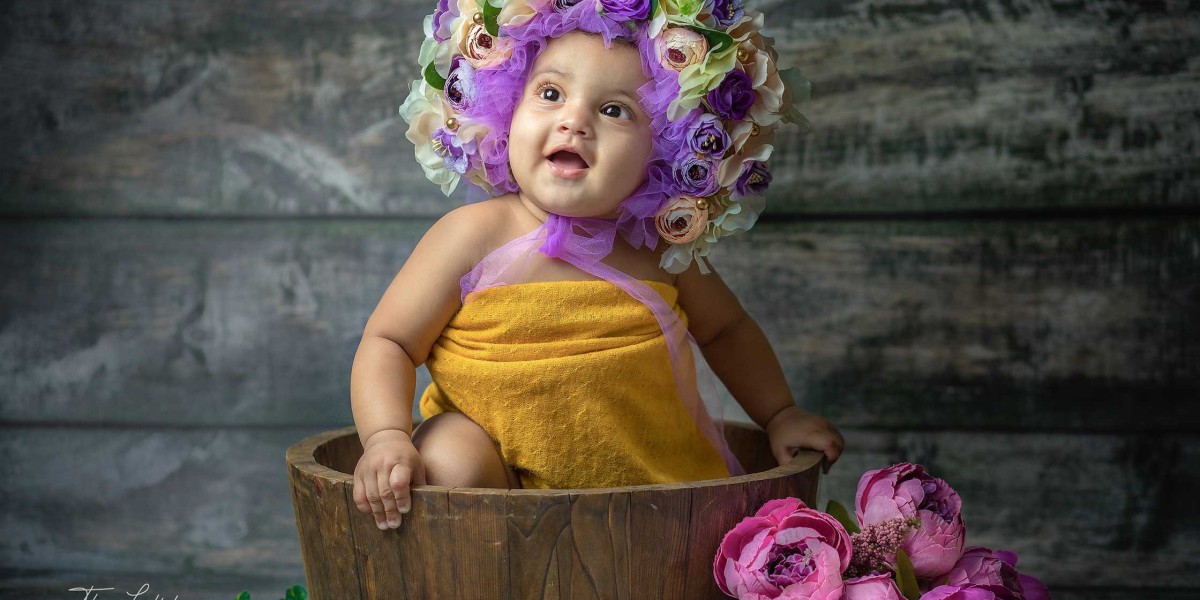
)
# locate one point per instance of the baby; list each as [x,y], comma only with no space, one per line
[554,326]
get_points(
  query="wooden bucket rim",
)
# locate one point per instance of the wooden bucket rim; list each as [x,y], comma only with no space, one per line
[301,456]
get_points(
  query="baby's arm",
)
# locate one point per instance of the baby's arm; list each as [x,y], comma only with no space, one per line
[397,338]
[739,353]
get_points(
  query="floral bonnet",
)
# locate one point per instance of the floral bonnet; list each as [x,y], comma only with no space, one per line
[715,95]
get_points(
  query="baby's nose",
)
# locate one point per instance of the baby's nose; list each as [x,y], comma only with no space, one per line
[575,123]
[572,127]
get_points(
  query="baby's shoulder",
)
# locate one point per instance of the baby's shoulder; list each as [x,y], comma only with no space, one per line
[478,228]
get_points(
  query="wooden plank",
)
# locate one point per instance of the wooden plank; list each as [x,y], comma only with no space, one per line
[323,521]
[918,108]
[540,544]
[482,542]
[698,579]
[211,108]
[659,526]
[210,319]
[600,524]
[130,500]
[1027,325]
[290,108]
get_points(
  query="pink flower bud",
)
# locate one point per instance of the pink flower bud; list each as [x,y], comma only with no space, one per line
[872,587]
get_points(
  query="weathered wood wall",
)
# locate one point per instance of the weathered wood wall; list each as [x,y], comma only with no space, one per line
[984,258]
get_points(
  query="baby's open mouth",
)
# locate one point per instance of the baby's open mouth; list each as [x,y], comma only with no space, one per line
[568,160]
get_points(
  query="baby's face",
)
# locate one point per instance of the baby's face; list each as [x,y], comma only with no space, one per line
[584,96]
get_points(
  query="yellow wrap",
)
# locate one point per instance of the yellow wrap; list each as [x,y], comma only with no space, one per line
[572,379]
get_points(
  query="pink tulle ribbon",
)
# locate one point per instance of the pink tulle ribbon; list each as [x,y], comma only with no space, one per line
[583,242]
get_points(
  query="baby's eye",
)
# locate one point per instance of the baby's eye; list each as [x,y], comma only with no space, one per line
[548,93]
[616,111]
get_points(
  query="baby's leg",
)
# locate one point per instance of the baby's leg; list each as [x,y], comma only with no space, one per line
[457,452]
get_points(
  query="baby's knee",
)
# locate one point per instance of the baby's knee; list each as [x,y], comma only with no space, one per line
[457,452]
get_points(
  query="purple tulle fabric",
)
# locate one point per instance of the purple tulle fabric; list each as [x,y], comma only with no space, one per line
[584,242]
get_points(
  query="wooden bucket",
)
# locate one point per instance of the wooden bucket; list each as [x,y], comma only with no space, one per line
[647,541]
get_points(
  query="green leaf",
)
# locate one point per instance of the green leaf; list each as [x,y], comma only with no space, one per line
[295,593]
[839,512]
[434,79]
[717,40]
[245,595]
[906,579]
[653,8]
[490,14]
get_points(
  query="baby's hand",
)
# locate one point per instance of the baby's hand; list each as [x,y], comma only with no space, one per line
[389,467]
[793,429]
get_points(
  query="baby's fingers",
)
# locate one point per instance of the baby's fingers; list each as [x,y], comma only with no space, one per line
[401,482]
[366,498]
[388,496]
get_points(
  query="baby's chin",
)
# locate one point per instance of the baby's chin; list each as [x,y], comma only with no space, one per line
[579,212]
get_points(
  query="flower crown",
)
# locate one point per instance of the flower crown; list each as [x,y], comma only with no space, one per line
[715,96]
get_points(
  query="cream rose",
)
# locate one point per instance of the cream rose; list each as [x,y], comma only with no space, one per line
[680,47]
[481,48]
[682,220]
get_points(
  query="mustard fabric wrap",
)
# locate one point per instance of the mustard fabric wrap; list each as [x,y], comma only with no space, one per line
[572,380]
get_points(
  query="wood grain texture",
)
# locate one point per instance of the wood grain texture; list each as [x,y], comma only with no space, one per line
[485,563]
[600,546]
[949,106]
[1068,504]
[540,545]
[130,500]
[327,544]
[1037,325]
[289,108]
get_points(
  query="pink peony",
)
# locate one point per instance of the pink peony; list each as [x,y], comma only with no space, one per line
[905,490]
[968,592]
[1033,587]
[983,567]
[786,550]
[872,587]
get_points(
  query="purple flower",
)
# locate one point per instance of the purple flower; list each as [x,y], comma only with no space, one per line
[734,97]
[706,135]
[460,85]
[442,16]
[754,179]
[626,10]
[727,11]
[695,175]
[455,155]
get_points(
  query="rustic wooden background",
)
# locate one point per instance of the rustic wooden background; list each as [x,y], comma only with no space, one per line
[984,258]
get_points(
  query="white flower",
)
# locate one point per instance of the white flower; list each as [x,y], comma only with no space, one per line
[746,148]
